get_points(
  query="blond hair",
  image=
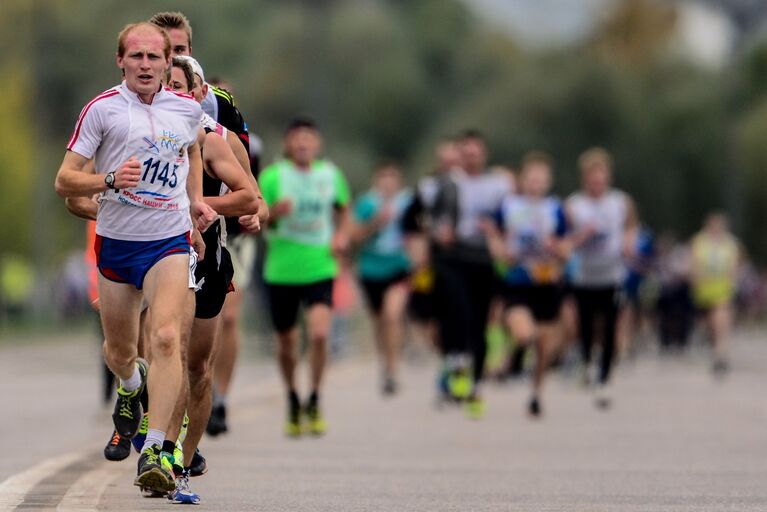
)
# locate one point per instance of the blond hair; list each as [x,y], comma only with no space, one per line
[168,20]
[595,157]
[142,24]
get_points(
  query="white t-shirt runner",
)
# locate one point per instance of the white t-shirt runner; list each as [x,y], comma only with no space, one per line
[115,126]
[599,261]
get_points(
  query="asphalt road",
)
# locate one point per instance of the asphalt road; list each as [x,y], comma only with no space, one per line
[675,440]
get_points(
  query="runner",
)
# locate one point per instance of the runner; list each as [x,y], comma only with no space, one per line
[305,195]
[604,225]
[226,188]
[383,266]
[529,254]
[148,169]
[219,104]
[715,259]
[464,278]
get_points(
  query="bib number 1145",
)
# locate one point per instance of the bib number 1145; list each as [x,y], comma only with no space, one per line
[166,174]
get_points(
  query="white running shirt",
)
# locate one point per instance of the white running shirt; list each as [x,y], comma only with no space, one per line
[115,126]
[599,261]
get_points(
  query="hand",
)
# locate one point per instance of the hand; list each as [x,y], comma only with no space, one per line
[198,244]
[283,207]
[339,244]
[488,227]
[250,223]
[202,215]
[129,174]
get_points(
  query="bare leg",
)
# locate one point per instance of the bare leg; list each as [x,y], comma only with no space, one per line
[202,350]
[120,310]
[183,397]
[167,291]
[230,343]
[391,324]
[318,319]
[287,355]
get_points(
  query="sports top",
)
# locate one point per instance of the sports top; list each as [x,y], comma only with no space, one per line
[599,261]
[115,126]
[299,243]
[382,256]
[528,223]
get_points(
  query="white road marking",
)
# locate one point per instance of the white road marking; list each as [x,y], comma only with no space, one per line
[15,488]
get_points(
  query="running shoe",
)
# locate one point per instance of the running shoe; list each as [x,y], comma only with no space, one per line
[720,367]
[293,422]
[534,407]
[603,399]
[127,414]
[118,448]
[182,494]
[475,408]
[178,459]
[140,437]
[217,421]
[459,385]
[316,424]
[198,465]
[155,471]
[390,386]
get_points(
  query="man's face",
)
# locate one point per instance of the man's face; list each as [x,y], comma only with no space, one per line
[596,179]
[388,181]
[536,179]
[473,154]
[448,156]
[179,42]
[144,62]
[303,145]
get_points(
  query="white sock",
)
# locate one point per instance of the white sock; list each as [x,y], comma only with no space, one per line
[133,382]
[153,437]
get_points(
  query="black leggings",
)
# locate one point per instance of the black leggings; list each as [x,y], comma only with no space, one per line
[593,302]
[462,295]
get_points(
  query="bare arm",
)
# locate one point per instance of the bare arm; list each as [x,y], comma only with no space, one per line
[242,157]
[73,180]
[202,214]
[221,161]
[84,207]
[340,242]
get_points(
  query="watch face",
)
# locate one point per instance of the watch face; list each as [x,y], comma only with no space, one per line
[109,179]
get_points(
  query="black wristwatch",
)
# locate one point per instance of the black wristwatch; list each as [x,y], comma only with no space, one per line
[109,180]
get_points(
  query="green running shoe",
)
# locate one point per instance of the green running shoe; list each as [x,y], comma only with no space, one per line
[316,424]
[127,413]
[475,408]
[459,385]
[293,423]
[155,471]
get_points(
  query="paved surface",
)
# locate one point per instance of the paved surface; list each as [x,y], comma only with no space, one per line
[676,440]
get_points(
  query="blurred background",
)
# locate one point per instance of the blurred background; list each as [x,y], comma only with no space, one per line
[675,89]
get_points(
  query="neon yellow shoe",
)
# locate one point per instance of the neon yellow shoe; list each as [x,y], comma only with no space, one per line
[316,424]
[293,423]
[184,427]
[459,385]
[475,408]
[140,437]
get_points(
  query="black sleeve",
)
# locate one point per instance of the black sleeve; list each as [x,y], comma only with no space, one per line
[412,219]
[230,117]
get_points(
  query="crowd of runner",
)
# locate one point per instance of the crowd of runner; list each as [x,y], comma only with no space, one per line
[164,169]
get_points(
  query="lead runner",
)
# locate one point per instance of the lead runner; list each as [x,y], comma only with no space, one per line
[149,172]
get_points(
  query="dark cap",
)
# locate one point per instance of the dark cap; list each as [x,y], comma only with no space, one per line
[301,122]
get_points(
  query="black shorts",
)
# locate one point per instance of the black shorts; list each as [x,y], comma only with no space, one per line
[421,306]
[543,301]
[285,300]
[375,290]
[214,281]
